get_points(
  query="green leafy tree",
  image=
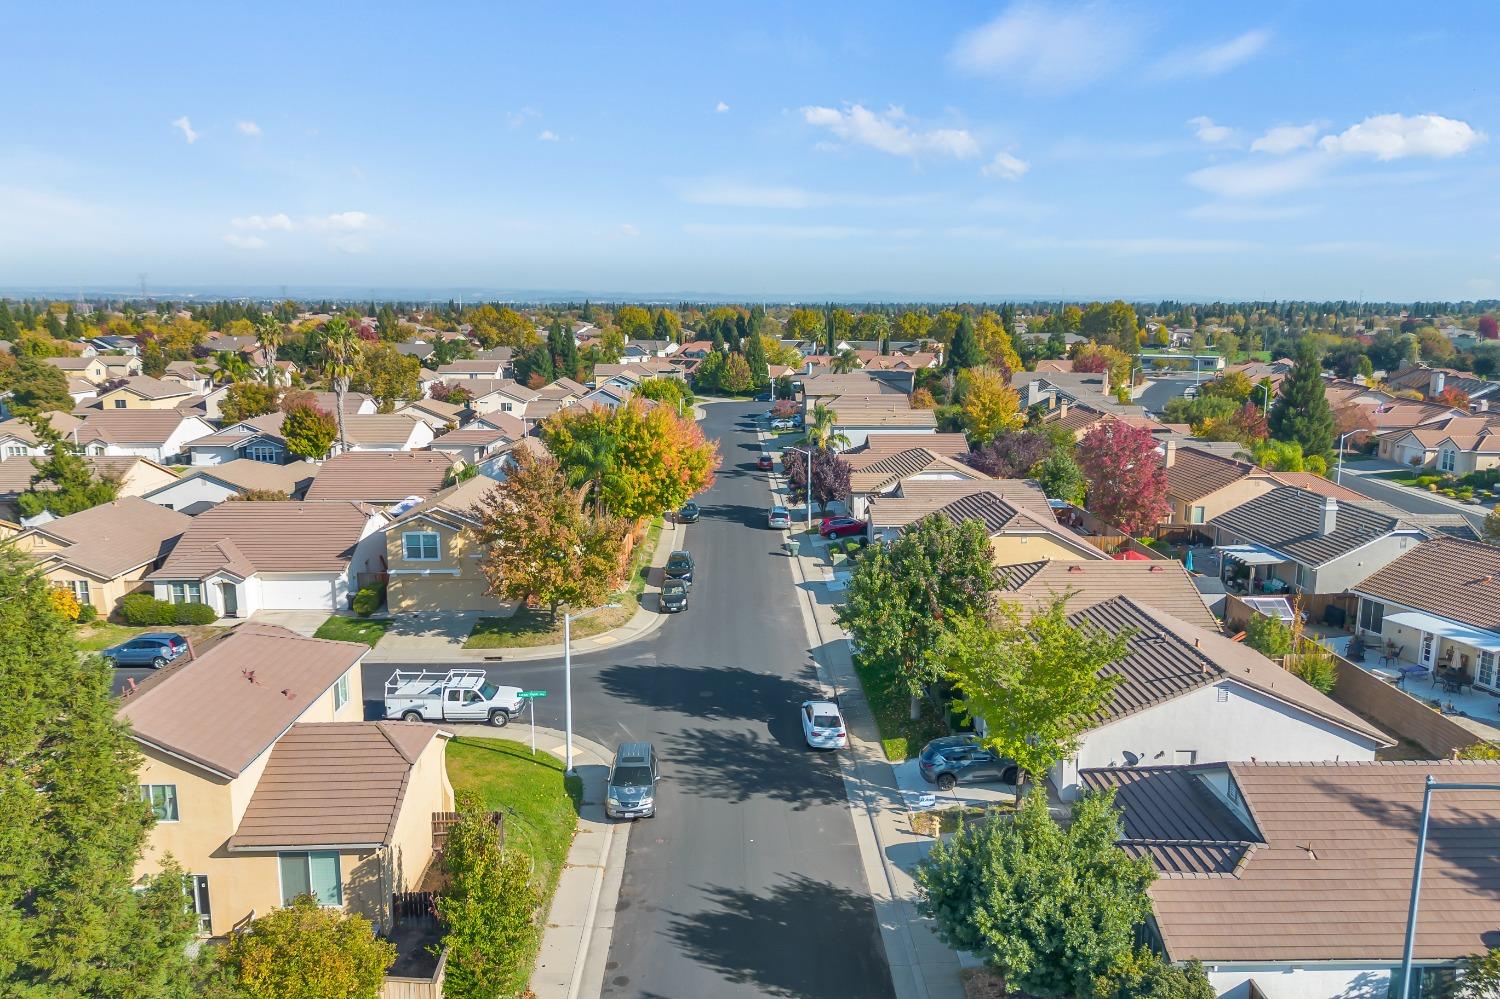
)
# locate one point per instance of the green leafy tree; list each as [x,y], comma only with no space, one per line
[633,322]
[308,951]
[387,376]
[63,482]
[36,387]
[1053,909]
[153,359]
[709,374]
[247,399]
[1269,636]
[1060,477]
[1145,975]
[490,907]
[903,598]
[737,377]
[309,431]
[1036,682]
[72,922]
[672,391]
[845,361]
[1301,412]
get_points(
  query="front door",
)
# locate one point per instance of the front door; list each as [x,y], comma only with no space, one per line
[1429,646]
[231,598]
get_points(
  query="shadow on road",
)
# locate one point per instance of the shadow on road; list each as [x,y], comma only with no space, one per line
[740,766]
[803,938]
[738,513]
[723,693]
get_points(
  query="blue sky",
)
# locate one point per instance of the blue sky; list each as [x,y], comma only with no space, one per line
[1322,150]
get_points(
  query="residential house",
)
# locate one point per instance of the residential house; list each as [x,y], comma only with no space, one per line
[1015,514]
[145,392]
[385,432]
[641,351]
[81,391]
[240,558]
[1290,880]
[874,360]
[435,561]
[1461,442]
[1433,382]
[1186,694]
[632,374]
[493,369]
[91,369]
[266,782]
[159,434]
[258,439]
[880,446]
[1201,484]
[823,387]
[382,478]
[115,344]
[419,349]
[232,344]
[104,553]
[1309,543]
[873,474]
[133,476]
[1439,605]
[206,486]
[1160,584]
[187,373]
[477,444]
[857,417]
[437,415]
[498,396]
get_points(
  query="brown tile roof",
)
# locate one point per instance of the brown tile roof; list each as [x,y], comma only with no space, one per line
[333,784]
[893,468]
[16,473]
[1449,577]
[265,425]
[1406,415]
[1325,862]
[917,498]
[1164,585]
[378,428]
[1315,483]
[475,367]
[227,707]
[115,537]
[1288,519]
[853,412]
[130,426]
[274,536]
[453,504]
[478,434]
[381,476]
[154,388]
[434,407]
[853,384]
[1195,474]
[329,401]
[481,387]
[70,363]
[878,446]
[246,474]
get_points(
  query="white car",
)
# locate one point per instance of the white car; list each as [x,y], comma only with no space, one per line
[823,725]
[783,423]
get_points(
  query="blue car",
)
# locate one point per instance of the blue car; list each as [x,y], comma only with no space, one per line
[155,649]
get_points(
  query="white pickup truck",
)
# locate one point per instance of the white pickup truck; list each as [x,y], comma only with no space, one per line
[460,695]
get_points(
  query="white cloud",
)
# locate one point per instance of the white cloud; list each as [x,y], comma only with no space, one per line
[263,222]
[518,118]
[345,222]
[186,128]
[1285,139]
[1049,49]
[249,128]
[1213,60]
[626,229]
[720,108]
[547,135]
[1260,178]
[1396,136]
[1210,133]
[889,132]
[1006,167]
[242,242]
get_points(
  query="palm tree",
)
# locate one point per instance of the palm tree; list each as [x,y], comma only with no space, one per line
[846,361]
[589,460]
[268,333]
[341,350]
[232,366]
[823,430]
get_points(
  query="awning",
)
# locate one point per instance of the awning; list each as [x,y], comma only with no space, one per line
[1451,630]
[1251,554]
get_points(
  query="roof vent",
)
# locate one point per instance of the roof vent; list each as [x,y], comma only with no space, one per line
[1155,568]
[1075,568]
[1311,853]
[248,674]
[285,692]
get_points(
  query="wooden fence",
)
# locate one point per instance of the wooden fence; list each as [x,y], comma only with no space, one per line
[1397,712]
[409,905]
[404,987]
[1237,613]
[1110,539]
[444,821]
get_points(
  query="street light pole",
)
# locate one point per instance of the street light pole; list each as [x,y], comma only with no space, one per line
[809,488]
[568,685]
[1338,476]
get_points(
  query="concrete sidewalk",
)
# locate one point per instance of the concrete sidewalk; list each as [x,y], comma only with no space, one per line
[581,918]
[440,638]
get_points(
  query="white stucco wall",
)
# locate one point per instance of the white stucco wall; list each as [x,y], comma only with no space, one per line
[214,455]
[1281,982]
[192,495]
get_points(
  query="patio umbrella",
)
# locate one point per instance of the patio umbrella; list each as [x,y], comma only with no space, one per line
[1130,556]
[1187,563]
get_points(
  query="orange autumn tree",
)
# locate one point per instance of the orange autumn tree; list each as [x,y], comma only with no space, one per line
[635,461]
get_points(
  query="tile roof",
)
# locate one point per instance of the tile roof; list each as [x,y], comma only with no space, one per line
[916,498]
[1195,474]
[882,474]
[154,388]
[333,784]
[378,428]
[70,362]
[225,708]
[1449,577]
[434,407]
[1287,519]
[854,383]
[115,537]
[1315,483]
[130,426]
[878,446]
[1325,860]
[456,501]
[475,367]
[853,411]
[478,434]
[1167,658]
[1164,585]
[265,425]
[272,536]
[381,476]
[246,474]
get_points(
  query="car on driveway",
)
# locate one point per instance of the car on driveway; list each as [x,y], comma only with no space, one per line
[674,596]
[823,725]
[960,759]
[680,566]
[689,513]
[631,793]
[155,649]
[841,527]
[779,519]
[783,423]
[765,463]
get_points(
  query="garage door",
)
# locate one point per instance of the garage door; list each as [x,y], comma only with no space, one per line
[297,593]
[431,594]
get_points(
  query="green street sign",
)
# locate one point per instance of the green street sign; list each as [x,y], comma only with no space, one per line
[532,693]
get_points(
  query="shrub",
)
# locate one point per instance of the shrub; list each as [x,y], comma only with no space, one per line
[142,610]
[1268,636]
[368,600]
[64,602]
[87,614]
[1316,669]
[193,614]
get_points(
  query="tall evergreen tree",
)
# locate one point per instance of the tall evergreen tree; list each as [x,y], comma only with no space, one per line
[8,329]
[755,357]
[1301,412]
[54,325]
[564,351]
[73,824]
[830,332]
[964,351]
[73,329]
[661,327]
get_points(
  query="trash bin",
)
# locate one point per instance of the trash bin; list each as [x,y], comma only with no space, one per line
[793,547]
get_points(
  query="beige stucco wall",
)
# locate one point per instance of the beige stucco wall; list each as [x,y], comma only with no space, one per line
[453,582]
[133,401]
[1220,500]
[1015,549]
[104,594]
[143,478]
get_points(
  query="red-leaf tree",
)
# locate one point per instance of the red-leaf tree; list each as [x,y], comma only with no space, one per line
[1489,329]
[1453,396]
[830,476]
[1127,485]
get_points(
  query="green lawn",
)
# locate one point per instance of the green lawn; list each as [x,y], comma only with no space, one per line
[354,629]
[900,737]
[103,634]
[540,806]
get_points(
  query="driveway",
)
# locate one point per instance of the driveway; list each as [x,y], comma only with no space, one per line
[420,637]
[303,622]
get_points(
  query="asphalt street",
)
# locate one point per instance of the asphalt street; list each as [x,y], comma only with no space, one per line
[1403,498]
[748,881]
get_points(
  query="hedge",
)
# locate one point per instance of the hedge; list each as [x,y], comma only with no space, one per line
[368,600]
[144,610]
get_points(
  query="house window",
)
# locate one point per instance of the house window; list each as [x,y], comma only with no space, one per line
[420,546]
[505,407]
[187,593]
[341,692]
[119,403]
[197,886]
[263,452]
[1371,615]
[78,587]
[1301,576]
[163,800]
[1195,515]
[315,874]
[1447,459]
[15,450]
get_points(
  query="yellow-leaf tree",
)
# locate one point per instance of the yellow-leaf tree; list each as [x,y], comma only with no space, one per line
[989,405]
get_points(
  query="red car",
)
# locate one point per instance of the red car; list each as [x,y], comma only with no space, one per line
[840,527]
[764,463]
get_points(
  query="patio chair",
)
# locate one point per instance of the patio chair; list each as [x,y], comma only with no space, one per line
[1392,654]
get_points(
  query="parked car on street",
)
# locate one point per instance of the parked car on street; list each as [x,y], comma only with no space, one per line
[631,793]
[689,513]
[823,725]
[457,695]
[674,596]
[765,463]
[780,518]
[679,566]
[841,527]
[960,759]
[155,649]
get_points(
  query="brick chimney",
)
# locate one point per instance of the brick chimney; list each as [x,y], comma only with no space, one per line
[1328,520]
[1168,454]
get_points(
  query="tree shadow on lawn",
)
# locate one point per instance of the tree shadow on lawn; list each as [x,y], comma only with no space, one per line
[803,938]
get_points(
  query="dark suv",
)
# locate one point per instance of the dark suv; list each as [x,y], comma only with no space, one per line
[679,566]
[155,649]
[632,783]
[960,758]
